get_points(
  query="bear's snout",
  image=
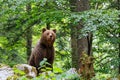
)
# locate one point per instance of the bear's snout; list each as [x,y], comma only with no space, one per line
[50,35]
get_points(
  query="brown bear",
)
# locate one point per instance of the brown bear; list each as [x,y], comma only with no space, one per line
[43,49]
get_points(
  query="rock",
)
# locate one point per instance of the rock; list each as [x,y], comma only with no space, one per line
[13,77]
[72,71]
[29,71]
[5,71]
[71,74]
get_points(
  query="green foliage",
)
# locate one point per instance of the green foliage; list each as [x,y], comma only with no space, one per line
[101,20]
[101,76]
[105,29]
[52,76]
[23,78]
[44,65]
[18,72]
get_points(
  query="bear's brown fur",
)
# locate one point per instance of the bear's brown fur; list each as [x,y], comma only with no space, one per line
[43,49]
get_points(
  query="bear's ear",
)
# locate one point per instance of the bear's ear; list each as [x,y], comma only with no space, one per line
[54,30]
[43,30]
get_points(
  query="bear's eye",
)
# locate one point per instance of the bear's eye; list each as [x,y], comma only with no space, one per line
[47,33]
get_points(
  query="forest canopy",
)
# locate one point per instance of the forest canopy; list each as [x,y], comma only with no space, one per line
[22,21]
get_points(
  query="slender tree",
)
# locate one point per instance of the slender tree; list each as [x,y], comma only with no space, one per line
[28,34]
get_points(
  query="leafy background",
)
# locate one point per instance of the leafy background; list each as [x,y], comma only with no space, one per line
[102,20]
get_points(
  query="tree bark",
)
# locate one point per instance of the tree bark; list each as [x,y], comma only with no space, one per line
[78,45]
[74,38]
[28,34]
[48,26]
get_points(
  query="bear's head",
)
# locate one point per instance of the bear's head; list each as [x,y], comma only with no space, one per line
[48,36]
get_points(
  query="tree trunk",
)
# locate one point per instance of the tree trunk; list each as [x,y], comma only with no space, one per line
[78,45]
[28,34]
[81,47]
[48,25]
